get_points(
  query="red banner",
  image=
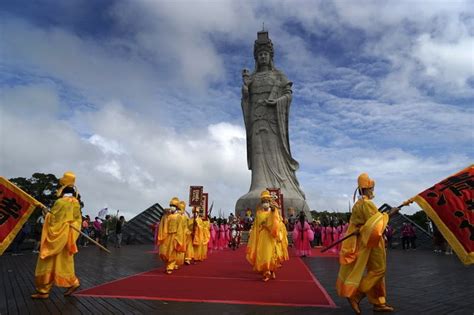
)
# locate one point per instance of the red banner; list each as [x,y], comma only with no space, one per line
[205,204]
[195,195]
[16,206]
[450,205]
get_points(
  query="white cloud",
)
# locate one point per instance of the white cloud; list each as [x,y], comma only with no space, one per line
[453,62]
[155,107]
[105,145]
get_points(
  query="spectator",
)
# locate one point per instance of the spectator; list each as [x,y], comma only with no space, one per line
[412,235]
[97,229]
[20,238]
[37,233]
[85,230]
[438,240]
[389,236]
[291,221]
[316,225]
[118,231]
[106,229]
[405,236]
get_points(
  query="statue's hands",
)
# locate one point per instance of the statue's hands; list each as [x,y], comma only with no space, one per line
[271,102]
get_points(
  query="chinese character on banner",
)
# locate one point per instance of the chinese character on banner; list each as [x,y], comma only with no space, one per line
[205,204]
[450,205]
[16,206]
[195,195]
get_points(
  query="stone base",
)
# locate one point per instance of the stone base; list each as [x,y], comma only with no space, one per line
[252,199]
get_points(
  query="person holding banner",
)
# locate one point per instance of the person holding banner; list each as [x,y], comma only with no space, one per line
[363,258]
[262,246]
[55,263]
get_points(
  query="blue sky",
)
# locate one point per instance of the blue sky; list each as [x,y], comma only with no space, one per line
[142,98]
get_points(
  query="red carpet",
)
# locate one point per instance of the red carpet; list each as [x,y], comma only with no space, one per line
[225,277]
[316,252]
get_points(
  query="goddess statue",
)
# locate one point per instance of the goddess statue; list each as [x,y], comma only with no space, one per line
[266,99]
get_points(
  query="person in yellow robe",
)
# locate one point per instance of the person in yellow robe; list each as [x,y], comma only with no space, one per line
[55,263]
[206,230]
[170,236]
[362,258]
[197,234]
[180,258]
[262,251]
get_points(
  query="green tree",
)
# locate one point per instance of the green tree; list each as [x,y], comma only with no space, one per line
[40,186]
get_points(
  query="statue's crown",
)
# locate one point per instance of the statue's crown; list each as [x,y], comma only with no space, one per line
[263,42]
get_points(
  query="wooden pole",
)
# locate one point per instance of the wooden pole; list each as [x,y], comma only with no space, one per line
[90,239]
[384,208]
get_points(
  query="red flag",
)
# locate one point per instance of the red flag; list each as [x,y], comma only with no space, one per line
[16,206]
[450,205]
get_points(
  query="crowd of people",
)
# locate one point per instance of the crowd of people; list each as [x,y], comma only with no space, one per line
[101,230]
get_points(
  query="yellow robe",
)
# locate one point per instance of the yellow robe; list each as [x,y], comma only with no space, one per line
[171,239]
[55,263]
[206,230]
[189,240]
[262,251]
[198,240]
[364,252]
[180,256]
[282,243]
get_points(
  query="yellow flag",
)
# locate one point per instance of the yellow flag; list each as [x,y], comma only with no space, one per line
[16,206]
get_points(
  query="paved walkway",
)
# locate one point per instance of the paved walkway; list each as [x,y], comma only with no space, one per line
[418,282]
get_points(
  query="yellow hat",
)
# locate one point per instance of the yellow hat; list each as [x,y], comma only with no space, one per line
[174,202]
[364,181]
[68,179]
[265,195]
[182,205]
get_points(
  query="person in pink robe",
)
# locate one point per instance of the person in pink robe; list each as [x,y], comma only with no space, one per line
[323,236]
[302,236]
[339,234]
[331,237]
[212,238]
[222,236]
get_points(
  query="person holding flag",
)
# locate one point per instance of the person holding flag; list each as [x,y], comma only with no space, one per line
[363,258]
[55,263]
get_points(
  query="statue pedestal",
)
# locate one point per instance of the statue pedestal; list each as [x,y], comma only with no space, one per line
[252,199]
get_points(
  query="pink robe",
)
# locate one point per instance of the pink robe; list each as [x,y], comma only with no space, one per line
[212,238]
[222,241]
[339,234]
[303,235]
[331,235]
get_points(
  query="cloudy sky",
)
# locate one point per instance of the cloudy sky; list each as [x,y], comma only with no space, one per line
[141,99]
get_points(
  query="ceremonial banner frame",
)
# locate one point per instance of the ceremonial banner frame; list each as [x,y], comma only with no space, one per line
[450,204]
[16,206]
[205,204]
[195,195]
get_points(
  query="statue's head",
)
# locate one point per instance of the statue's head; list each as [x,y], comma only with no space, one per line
[263,50]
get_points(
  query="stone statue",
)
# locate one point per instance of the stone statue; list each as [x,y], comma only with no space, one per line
[266,99]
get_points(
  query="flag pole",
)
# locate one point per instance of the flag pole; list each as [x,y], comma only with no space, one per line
[384,208]
[90,239]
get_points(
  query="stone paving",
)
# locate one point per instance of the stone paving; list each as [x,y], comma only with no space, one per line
[418,282]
